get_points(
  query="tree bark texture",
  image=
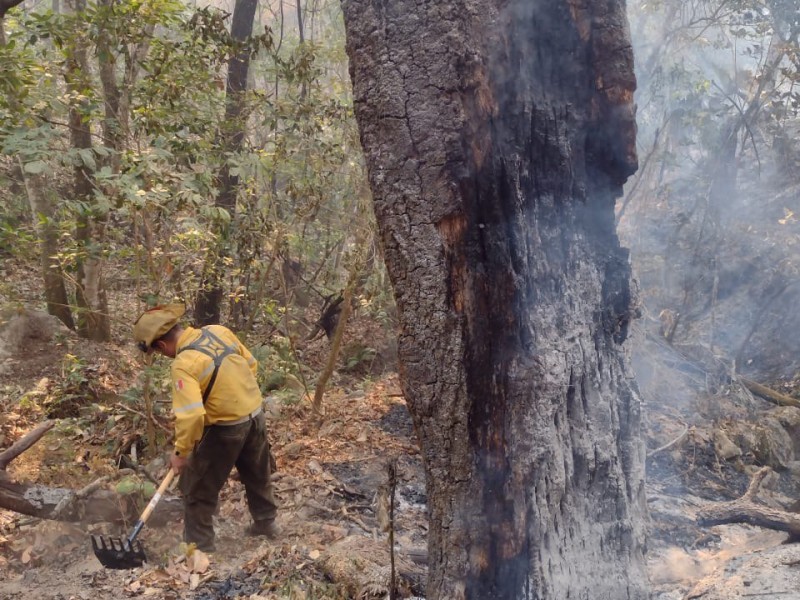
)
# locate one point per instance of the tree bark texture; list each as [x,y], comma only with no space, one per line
[497,136]
[209,298]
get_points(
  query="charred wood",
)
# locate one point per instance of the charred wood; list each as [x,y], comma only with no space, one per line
[769,394]
[42,501]
[746,510]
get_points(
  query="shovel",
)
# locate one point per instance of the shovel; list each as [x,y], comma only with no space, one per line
[115,553]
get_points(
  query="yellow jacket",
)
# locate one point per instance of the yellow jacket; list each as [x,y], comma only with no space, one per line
[235,391]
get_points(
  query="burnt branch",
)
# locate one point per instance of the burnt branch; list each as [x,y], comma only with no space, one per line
[769,394]
[746,510]
[89,504]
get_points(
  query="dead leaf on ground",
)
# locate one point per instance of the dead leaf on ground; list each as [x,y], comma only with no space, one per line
[198,562]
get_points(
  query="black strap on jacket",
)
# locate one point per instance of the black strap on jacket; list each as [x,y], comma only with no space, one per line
[211,345]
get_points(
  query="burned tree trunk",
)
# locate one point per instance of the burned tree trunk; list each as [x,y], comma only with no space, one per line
[497,136]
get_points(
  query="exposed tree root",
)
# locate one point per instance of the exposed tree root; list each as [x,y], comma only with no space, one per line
[746,510]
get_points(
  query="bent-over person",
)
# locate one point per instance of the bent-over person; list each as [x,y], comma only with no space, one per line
[219,421]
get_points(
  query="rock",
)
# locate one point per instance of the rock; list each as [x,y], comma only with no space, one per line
[766,440]
[789,418]
[293,451]
[18,327]
[775,447]
[272,407]
[724,447]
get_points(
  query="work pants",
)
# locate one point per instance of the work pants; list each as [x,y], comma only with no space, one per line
[222,447]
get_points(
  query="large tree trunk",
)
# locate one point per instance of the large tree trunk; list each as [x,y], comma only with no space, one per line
[209,298]
[497,137]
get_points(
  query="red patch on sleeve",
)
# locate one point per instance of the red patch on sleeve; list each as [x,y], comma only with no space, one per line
[179,384]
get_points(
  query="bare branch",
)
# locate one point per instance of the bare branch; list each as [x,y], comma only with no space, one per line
[28,440]
[745,510]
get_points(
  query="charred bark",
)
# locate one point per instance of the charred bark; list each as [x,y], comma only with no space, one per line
[497,136]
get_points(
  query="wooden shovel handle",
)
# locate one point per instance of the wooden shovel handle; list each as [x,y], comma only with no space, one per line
[157,496]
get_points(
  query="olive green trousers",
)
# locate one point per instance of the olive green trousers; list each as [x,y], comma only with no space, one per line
[222,447]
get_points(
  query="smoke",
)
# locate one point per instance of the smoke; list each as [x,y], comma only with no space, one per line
[690,567]
[710,216]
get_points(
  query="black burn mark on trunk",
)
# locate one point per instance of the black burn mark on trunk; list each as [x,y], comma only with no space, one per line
[619,305]
[499,552]
[520,166]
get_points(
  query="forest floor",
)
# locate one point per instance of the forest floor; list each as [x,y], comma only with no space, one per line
[332,487]
[328,480]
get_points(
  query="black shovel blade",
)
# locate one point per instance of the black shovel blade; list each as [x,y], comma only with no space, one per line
[114,553]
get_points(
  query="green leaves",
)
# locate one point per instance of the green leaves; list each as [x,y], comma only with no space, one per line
[87,158]
[152,172]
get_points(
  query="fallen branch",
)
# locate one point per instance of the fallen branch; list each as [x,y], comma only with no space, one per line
[25,442]
[769,394]
[144,416]
[98,506]
[745,510]
[669,445]
[69,499]
[89,504]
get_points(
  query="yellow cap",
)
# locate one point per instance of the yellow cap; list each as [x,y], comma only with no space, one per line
[154,323]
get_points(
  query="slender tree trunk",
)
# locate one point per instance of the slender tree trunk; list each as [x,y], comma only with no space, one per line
[112,123]
[55,290]
[209,298]
[42,211]
[91,299]
[117,82]
[497,136]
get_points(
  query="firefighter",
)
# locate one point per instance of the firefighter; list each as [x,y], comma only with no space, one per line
[219,421]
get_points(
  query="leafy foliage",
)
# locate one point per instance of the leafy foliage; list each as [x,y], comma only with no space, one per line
[146,80]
